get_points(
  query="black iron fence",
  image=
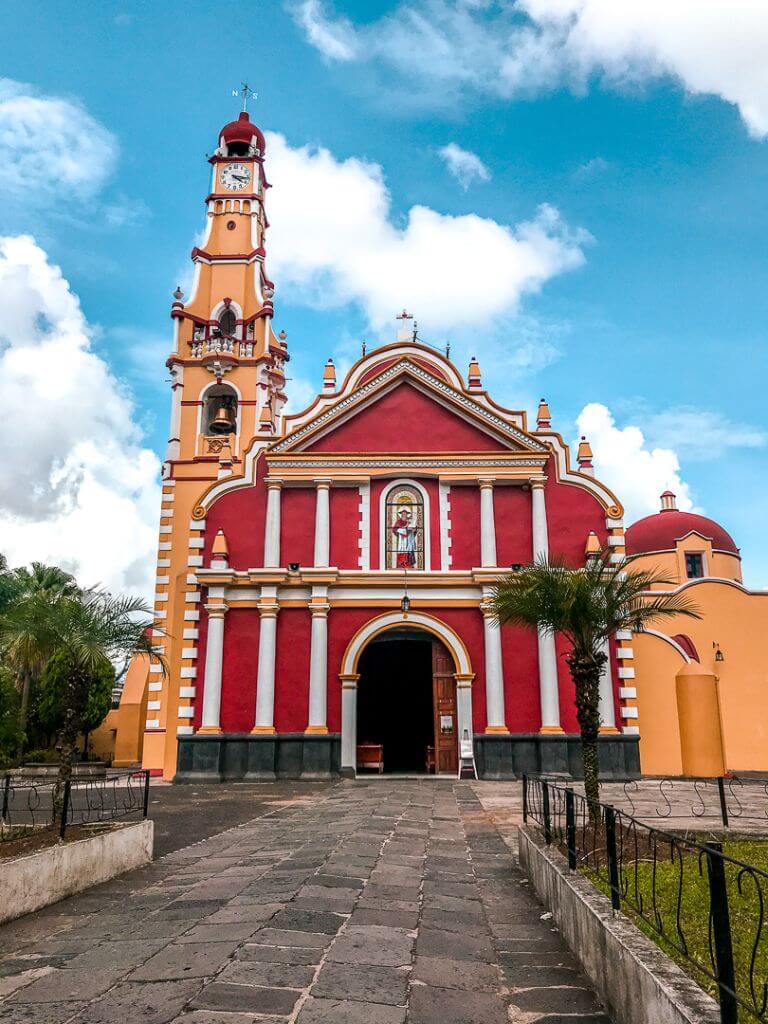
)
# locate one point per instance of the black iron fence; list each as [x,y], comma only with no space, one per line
[705,907]
[32,806]
[726,800]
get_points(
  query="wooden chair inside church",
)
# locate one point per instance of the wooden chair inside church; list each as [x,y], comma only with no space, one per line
[370,755]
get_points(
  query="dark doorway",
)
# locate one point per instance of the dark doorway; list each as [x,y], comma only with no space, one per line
[394,699]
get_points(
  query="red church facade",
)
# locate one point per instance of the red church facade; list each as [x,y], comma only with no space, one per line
[303,573]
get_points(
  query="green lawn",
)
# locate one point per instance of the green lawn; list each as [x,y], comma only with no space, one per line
[692,897]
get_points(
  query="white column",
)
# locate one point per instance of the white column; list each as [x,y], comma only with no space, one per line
[272,525]
[549,696]
[539,521]
[318,666]
[173,450]
[487,524]
[214,662]
[265,679]
[494,675]
[349,723]
[464,705]
[607,706]
[322,524]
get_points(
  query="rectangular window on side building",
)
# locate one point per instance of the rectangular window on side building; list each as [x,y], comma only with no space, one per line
[694,566]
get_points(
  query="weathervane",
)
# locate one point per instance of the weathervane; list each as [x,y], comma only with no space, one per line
[245,92]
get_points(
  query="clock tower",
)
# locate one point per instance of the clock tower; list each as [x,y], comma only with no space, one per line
[227,384]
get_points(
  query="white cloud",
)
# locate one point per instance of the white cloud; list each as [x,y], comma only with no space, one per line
[76,486]
[333,242]
[50,148]
[335,39]
[591,169]
[700,434]
[623,460]
[521,48]
[465,166]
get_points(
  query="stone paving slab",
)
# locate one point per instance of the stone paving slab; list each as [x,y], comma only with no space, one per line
[376,902]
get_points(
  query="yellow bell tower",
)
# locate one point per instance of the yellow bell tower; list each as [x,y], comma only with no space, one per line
[227,385]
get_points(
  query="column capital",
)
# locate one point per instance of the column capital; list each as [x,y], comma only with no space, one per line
[349,680]
[323,483]
[216,611]
[486,481]
[274,482]
[537,481]
[464,679]
[268,610]
[319,610]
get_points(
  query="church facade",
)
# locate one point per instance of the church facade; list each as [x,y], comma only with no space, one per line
[323,577]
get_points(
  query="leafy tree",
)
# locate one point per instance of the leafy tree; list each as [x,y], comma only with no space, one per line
[93,630]
[94,701]
[9,715]
[28,625]
[587,605]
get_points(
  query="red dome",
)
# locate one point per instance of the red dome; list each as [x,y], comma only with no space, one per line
[243,130]
[661,531]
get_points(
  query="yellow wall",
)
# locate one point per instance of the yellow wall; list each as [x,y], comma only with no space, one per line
[656,663]
[735,619]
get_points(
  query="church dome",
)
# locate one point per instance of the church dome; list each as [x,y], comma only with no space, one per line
[242,132]
[662,531]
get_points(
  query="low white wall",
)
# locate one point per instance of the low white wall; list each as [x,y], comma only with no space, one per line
[635,979]
[34,881]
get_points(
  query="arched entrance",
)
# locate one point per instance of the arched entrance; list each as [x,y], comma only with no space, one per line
[406,695]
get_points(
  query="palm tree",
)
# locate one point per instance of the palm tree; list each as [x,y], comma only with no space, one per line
[28,633]
[587,606]
[94,630]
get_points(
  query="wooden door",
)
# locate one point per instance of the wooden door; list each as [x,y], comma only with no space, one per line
[444,706]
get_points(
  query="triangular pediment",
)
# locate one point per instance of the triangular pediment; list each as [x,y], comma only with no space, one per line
[407,409]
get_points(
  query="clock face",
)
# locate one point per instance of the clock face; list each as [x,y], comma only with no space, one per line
[235,177]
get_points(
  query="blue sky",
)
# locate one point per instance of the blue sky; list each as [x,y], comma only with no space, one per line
[638,307]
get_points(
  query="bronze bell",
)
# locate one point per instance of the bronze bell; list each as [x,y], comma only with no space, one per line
[223,422]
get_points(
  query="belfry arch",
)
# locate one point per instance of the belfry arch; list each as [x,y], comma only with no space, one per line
[350,674]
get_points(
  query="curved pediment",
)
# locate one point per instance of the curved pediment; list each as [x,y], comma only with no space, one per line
[405,408]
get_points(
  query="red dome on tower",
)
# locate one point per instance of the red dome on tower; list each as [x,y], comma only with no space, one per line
[242,132]
[662,531]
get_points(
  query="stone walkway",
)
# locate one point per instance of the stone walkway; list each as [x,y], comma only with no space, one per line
[378,902]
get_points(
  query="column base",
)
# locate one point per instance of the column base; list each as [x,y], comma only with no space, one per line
[555,754]
[497,729]
[262,757]
[263,730]
[209,730]
[316,730]
[551,730]
[608,730]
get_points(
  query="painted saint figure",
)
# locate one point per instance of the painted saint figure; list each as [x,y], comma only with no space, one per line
[405,535]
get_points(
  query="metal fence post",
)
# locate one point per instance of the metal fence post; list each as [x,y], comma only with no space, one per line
[723,803]
[525,798]
[65,808]
[570,829]
[545,811]
[721,934]
[6,797]
[146,792]
[613,863]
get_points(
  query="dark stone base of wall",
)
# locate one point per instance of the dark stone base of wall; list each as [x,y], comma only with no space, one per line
[242,756]
[510,757]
